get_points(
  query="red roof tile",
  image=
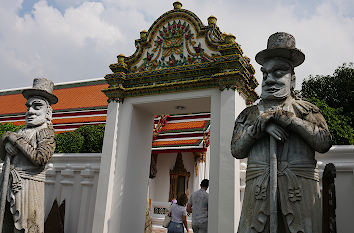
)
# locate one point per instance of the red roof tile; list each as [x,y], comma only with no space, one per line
[69,98]
[185,126]
[80,97]
[12,104]
[189,142]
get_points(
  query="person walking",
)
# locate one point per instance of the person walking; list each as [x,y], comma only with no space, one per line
[178,215]
[198,205]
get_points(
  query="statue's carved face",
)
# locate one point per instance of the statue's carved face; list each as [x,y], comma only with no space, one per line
[36,112]
[276,79]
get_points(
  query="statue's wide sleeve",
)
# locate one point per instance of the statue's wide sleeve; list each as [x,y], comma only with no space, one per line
[312,126]
[40,155]
[242,141]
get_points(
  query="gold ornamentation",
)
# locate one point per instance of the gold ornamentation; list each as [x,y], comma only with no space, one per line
[179,53]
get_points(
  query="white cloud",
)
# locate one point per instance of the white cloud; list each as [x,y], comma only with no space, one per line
[77,25]
[63,47]
[83,38]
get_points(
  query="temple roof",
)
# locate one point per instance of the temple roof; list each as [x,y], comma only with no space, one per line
[189,132]
[83,103]
[72,95]
[80,103]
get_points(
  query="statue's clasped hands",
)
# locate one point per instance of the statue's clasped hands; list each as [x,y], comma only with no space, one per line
[272,122]
[9,138]
[276,132]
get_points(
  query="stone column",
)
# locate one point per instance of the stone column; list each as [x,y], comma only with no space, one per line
[86,183]
[106,176]
[50,195]
[224,194]
[132,169]
[67,183]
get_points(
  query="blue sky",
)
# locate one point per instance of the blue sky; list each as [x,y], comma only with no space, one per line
[71,40]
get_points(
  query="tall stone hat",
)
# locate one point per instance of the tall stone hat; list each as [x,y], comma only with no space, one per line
[41,87]
[281,44]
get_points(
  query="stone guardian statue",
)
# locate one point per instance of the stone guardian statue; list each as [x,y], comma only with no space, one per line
[28,151]
[297,129]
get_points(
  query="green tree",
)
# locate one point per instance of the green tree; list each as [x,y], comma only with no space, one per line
[9,127]
[69,142]
[336,90]
[334,95]
[93,135]
[338,123]
[86,139]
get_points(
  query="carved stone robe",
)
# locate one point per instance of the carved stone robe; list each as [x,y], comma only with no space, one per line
[299,204]
[26,184]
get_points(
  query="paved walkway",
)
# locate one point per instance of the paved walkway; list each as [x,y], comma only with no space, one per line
[158,230]
[164,230]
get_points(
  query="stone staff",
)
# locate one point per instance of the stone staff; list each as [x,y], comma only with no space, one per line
[273,185]
[5,183]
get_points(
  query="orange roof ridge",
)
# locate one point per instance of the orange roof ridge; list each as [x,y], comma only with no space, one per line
[56,85]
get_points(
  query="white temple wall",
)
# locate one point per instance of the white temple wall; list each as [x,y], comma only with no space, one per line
[207,165]
[73,178]
[343,158]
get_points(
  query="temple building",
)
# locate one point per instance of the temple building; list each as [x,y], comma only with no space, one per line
[169,110]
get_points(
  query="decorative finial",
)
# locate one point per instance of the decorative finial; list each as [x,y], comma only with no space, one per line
[177,5]
[121,58]
[230,38]
[212,20]
[143,34]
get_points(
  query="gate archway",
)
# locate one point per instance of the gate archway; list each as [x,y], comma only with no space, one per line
[178,62]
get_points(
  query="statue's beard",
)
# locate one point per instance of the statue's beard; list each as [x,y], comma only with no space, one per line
[278,95]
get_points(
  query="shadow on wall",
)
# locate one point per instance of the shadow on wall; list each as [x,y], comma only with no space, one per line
[55,220]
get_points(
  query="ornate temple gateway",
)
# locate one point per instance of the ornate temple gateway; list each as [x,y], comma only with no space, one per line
[180,66]
[179,53]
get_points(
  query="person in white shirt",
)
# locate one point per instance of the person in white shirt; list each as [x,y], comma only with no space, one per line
[198,205]
[178,215]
